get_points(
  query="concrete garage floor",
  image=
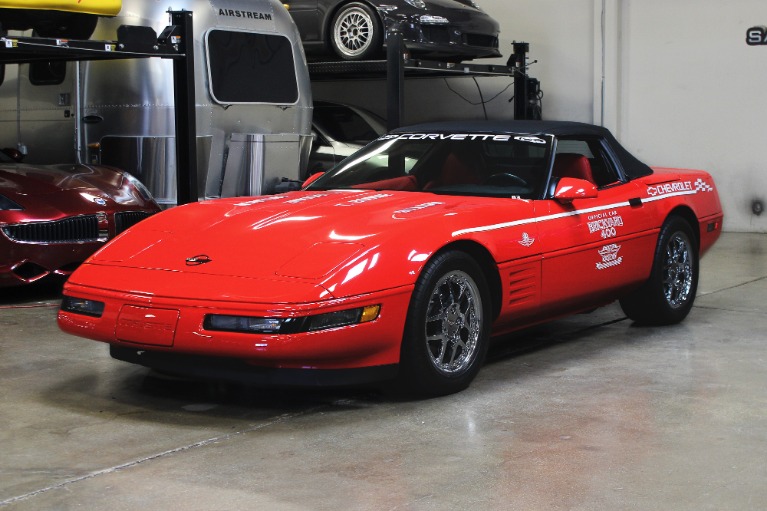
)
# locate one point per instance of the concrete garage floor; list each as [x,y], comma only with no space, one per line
[584,413]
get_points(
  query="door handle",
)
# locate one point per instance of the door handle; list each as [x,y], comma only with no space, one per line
[635,202]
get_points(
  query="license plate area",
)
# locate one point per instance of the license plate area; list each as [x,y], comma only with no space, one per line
[145,325]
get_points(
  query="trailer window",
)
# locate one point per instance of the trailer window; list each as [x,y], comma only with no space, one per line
[251,68]
[48,72]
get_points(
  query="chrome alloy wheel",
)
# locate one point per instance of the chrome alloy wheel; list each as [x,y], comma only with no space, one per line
[353,32]
[453,323]
[678,270]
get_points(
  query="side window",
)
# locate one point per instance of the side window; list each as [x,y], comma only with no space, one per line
[599,169]
[244,67]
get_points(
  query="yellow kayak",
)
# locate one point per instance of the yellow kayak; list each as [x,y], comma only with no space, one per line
[99,7]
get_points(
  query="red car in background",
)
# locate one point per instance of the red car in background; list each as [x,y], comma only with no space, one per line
[53,217]
[398,264]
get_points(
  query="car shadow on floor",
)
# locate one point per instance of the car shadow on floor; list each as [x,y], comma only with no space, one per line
[44,290]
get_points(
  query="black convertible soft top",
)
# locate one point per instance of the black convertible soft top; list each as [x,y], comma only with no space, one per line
[632,167]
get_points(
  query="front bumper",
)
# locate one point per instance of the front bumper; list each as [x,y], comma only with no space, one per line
[171,335]
[32,250]
[26,263]
[240,371]
[475,37]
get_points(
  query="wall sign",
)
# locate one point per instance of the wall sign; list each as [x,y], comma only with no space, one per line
[756,36]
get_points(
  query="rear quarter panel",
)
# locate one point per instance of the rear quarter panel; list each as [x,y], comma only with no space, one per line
[671,189]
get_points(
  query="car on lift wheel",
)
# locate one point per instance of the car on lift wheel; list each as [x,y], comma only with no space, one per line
[447,329]
[668,295]
[66,24]
[356,32]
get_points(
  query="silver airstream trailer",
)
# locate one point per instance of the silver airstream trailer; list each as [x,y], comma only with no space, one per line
[253,99]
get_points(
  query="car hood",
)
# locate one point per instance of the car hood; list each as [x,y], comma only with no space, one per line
[299,234]
[324,239]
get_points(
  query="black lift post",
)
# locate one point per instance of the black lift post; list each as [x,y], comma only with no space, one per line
[519,62]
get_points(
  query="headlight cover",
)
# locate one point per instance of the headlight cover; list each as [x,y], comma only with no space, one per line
[140,188]
[258,325]
[82,306]
[427,19]
[471,3]
[418,4]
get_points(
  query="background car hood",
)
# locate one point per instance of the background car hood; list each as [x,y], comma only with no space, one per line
[54,190]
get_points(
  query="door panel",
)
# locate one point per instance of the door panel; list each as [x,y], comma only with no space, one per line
[306,15]
[593,248]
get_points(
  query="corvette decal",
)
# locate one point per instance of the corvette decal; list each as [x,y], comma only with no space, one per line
[669,188]
[526,240]
[363,200]
[306,198]
[546,218]
[702,186]
[532,140]
[260,200]
[448,136]
[609,254]
[606,223]
[417,207]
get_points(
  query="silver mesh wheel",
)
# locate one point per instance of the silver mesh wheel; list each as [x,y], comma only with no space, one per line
[353,32]
[453,323]
[678,270]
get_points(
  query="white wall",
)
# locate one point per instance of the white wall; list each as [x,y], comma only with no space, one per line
[681,87]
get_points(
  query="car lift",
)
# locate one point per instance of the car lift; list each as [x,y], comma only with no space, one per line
[399,65]
[176,42]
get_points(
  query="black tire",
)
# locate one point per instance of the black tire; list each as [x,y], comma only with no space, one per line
[668,295]
[69,25]
[356,32]
[447,329]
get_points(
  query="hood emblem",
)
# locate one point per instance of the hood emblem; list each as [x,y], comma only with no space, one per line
[198,260]
[100,201]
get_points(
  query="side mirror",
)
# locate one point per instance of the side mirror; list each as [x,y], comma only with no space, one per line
[311,179]
[569,188]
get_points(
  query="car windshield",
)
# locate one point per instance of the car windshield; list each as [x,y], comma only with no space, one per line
[491,165]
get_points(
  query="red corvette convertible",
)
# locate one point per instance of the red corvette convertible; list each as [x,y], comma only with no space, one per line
[398,264]
[53,217]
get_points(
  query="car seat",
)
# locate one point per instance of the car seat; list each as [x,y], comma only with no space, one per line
[572,165]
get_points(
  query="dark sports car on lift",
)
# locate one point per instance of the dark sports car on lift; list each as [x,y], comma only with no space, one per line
[339,131]
[452,30]
[53,217]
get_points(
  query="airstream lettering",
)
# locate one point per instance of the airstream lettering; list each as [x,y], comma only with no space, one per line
[245,14]
[253,99]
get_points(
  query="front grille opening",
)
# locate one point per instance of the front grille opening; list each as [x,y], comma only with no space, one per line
[30,271]
[75,229]
[126,219]
[481,40]
[437,35]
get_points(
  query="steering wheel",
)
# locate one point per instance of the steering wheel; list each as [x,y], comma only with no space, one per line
[505,179]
